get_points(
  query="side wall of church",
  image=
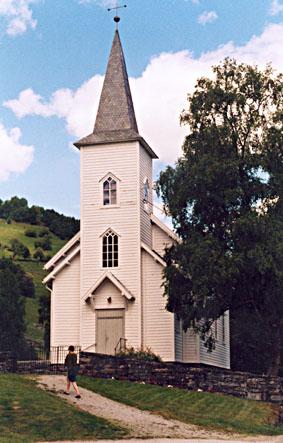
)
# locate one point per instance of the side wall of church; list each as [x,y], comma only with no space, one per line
[122,160]
[191,352]
[65,306]
[159,240]
[158,323]
[220,356]
[178,334]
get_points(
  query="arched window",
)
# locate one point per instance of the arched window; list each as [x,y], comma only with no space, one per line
[146,190]
[109,191]
[146,194]
[110,250]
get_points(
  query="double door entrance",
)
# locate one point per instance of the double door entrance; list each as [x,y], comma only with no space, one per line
[110,327]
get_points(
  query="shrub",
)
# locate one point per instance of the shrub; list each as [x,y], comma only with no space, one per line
[44,243]
[30,233]
[145,354]
[43,232]
[18,249]
[38,254]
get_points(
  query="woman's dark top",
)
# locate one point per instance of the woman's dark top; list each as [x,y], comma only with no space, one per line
[71,363]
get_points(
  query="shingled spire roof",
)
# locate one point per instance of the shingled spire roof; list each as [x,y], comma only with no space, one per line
[115,119]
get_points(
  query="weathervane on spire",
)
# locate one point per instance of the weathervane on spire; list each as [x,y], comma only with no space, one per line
[117,18]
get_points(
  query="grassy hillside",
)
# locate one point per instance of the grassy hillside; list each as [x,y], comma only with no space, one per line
[29,414]
[16,230]
[34,268]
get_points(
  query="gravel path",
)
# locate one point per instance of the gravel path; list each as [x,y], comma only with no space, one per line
[140,424]
[172,440]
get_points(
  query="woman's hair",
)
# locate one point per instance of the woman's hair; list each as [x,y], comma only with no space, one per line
[71,348]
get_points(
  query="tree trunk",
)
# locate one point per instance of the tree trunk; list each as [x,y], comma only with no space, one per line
[275,358]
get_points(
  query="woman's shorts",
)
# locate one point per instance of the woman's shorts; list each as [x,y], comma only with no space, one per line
[72,376]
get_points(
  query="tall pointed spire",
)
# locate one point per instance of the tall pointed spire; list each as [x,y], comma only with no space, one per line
[115,119]
[116,109]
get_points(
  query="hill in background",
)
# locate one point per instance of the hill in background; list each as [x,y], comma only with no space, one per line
[30,236]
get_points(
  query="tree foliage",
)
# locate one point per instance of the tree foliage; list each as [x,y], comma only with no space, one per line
[24,281]
[12,306]
[18,249]
[225,199]
[17,209]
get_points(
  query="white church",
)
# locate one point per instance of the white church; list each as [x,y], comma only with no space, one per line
[106,281]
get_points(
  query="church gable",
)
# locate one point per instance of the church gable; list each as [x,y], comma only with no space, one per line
[108,296]
[109,277]
[63,252]
[64,261]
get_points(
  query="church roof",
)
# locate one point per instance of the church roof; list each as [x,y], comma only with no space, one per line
[115,119]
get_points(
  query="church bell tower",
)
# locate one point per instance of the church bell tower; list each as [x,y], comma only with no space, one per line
[116,206]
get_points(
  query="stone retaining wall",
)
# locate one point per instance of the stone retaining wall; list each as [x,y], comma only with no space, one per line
[179,375]
[185,376]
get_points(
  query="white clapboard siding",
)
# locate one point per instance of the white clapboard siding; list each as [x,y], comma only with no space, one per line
[65,306]
[158,323]
[190,347]
[178,339]
[146,208]
[220,356]
[160,240]
[122,160]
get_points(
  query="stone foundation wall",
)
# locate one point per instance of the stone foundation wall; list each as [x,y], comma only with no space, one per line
[184,376]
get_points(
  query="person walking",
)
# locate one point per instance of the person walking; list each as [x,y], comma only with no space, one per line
[72,365]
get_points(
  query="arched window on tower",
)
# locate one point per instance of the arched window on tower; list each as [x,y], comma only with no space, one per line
[146,194]
[110,250]
[109,191]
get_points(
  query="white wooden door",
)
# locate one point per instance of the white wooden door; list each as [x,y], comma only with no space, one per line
[109,329]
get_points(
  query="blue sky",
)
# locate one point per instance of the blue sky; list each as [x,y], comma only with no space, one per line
[53,58]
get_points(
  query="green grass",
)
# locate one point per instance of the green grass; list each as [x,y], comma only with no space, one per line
[214,411]
[16,230]
[28,414]
[34,331]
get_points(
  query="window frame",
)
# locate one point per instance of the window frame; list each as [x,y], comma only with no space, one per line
[108,249]
[102,181]
[146,202]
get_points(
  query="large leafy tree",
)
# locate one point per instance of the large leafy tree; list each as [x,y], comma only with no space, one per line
[225,199]
[12,307]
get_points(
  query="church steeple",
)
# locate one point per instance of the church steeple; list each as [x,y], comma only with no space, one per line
[116,109]
[115,119]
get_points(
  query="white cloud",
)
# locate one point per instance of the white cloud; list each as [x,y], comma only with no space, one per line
[14,157]
[159,94]
[18,16]
[76,107]
[207,17]
[102,3]
[276,7]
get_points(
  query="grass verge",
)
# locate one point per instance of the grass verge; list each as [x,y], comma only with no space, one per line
[34,269]
[28,414]
[215,411]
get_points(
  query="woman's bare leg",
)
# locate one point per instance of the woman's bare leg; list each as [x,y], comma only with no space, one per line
[68,386]
[76,388]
